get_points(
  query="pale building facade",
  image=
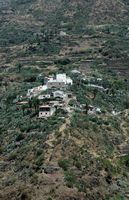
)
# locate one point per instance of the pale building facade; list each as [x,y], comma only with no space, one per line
[60,81]
[46,111]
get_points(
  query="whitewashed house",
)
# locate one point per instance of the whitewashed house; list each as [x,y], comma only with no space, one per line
[60,81]
[36,91]
[53,83]
[57,104]
[45,96]
[64,78]
[46,111]
[59,94]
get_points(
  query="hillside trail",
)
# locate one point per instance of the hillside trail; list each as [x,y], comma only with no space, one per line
[124,129]
[53,148]
[55,143]
[55,139]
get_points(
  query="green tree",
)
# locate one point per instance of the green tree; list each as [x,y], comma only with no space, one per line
[35,103]
[19,66]
[86,108]
[30,103]
[23,107]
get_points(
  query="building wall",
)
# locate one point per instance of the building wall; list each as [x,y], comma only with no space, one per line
[61,78]
[47,96]
[43,114]
[55,84]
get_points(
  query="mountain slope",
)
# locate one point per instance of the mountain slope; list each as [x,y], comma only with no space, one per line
[70,156]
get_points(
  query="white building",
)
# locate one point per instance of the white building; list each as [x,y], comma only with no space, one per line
[74,71]
[60,94]
[58,104]
[64,78]
[46,111]
[36,91]
[60,81]
[61,78]
[69,81]
[93,110]
[45,96]
[62,33]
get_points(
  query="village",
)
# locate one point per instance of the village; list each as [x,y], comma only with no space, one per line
[55,93]
[52,95]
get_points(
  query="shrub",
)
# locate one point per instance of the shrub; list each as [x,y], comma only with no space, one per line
[49,198]
[40,160]
[63,61]
[19,137]
[39,152]
[64,164]
[78,164]
[12,156]
[70,178]
[125,161]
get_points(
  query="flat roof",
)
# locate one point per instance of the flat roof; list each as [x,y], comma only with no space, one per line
[45,106]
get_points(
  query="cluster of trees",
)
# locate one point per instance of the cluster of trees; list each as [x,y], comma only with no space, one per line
[32,103]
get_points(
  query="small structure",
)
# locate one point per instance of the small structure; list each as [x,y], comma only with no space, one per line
[57,104]
[46,111]
[115,113]
[93,110]
[45,96]
[62,33]
[22,103]
[40,77]
[76,72]
[98,110]
[59,94]
[46,79]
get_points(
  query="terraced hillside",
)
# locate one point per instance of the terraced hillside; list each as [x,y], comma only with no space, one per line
[71,155]
[32,28]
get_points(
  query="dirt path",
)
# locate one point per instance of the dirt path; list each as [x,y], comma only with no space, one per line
[53,146]
[54,149]
[124,129]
